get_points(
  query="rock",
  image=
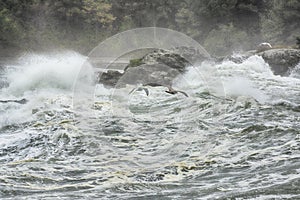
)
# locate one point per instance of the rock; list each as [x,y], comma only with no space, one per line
[154,75]
[169,58]
[21,101]
[110,78]
[237,58]
[149,74]
[175,59]
[145,74]
[178,58]
[281,61]
[192,54]
[35,110]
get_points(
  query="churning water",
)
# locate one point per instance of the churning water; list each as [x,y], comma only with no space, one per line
[238,141]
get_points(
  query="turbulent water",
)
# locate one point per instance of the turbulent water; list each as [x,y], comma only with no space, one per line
[235,137]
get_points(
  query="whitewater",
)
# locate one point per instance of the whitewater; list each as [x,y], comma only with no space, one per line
[235,137]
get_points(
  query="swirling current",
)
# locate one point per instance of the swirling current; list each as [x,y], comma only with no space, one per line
[240,141]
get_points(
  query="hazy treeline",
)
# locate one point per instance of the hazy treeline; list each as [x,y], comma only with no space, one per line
[219,25]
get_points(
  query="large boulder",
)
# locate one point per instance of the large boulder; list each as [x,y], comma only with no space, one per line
[167,57]
[149,74]
[281,61]
[178,58]
[174,61]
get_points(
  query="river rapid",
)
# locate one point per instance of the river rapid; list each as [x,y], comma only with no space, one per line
[237,140]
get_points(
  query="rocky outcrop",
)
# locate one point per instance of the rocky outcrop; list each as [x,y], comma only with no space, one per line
[281,61]
[149,74]
[174,61]
[169,58]
[177,58]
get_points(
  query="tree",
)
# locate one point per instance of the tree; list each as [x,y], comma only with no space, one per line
[225,38]
[281,23]
[97,12]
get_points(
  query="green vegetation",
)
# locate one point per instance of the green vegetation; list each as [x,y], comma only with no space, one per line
[134,63]
[220,25]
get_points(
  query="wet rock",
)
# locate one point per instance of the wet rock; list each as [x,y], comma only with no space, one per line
[237,58]
[155,74]
[21,101]
[35,110]
[281,61]
[191,54]
[177,59]
[169,58]
[110,78]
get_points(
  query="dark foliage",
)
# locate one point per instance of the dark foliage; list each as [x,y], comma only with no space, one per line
[220,25]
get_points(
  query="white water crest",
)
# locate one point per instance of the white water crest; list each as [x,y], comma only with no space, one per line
[230,79]
[42,79]
[295,73]
[42,71]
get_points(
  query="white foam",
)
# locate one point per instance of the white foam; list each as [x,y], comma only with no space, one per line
[46,81]
[295,73]
[199,78]
[240,86]
[228,78]
[37,71]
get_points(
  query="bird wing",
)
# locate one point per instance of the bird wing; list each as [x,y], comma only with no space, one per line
[133,90]
[139,89]
[185,94]
[146,90]
[153,84]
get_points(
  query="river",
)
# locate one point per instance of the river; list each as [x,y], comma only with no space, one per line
[237,141]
